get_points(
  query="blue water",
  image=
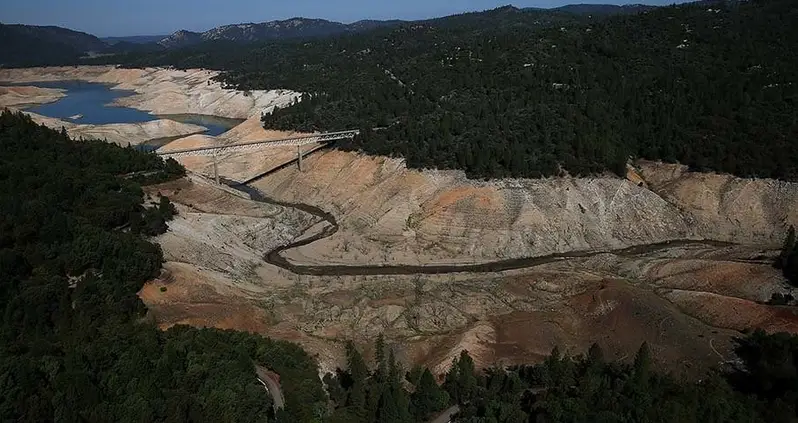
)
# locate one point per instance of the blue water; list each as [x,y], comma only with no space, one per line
[216,125]
[90,100]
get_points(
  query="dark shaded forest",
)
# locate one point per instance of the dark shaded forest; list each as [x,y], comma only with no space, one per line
[73,342]
[529,93]
[761,385]
[787,260]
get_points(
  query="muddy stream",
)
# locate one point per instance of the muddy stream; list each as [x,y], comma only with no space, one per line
[275,258]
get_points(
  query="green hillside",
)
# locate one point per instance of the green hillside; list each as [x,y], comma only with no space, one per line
[73,344]
[515,92]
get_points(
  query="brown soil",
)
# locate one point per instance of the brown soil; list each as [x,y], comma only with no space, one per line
[21,97]
[687,302]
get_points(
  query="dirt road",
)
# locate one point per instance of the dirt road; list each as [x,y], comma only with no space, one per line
[446,415]
[272,386]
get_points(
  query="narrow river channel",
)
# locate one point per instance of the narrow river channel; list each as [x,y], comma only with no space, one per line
[275,258]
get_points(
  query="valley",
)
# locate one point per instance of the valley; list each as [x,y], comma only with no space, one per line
[506,269]
[708,290]
[575,214]
[436,262]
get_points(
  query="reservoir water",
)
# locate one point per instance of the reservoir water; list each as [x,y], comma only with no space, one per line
[90,103]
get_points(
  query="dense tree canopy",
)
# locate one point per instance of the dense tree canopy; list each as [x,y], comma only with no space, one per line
[72,258]
[527,93]
[761,386]
[787,260]
[73,346]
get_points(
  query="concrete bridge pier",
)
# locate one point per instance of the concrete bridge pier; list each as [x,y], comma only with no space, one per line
[216,169]
[299,156]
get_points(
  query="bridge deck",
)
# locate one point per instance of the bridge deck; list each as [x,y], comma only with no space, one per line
[252,145]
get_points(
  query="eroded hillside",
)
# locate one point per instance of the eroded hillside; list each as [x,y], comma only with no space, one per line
[394,215]
[685,301]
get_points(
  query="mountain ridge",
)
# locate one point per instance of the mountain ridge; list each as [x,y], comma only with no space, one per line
[33,45]
[296,27]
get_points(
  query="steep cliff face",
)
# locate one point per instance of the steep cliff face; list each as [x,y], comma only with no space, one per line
[726,208]
[407,215]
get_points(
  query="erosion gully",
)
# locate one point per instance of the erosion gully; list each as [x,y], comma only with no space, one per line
[275,258]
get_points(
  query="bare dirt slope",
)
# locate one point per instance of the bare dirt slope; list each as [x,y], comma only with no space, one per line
[686,302]
[724,207]
[22,96]
[390,214]
[501,318]
[164,91]
[123,134]
[239,166]
[225,234]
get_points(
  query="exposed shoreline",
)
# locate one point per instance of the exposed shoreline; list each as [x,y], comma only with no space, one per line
[157,91]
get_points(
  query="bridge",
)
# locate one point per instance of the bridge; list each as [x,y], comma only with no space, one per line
[255,145]
[215,151]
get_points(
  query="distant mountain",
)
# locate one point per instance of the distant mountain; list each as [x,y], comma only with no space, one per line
[604,9]
[367,24]
[273,30]
[74,39]
[134,39]
[181,38]
[28,45]
[304,27]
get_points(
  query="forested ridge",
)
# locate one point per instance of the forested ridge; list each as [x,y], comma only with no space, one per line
[513,92]
[73,345]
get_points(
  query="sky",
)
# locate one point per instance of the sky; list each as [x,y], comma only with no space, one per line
[160,17]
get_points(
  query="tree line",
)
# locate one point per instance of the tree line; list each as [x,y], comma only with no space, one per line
[761,385]
[73,255]
[511,93]
[74,346]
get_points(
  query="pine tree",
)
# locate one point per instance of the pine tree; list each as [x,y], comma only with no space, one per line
[786,249]
[358,372]
[334,389]
[379,357]
[595,355]
[553,366]
[642,366]
[378,382]
[166,208]
[428,397]
[461,380]
[393,403]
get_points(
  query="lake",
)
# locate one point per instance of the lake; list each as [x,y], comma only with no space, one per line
[89,103]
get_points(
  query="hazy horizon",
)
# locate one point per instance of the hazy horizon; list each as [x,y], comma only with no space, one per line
[151,17]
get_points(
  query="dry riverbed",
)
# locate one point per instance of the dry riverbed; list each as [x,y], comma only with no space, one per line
[501,318]
[686,301]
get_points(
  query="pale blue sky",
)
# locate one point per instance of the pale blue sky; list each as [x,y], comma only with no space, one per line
[156,17]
